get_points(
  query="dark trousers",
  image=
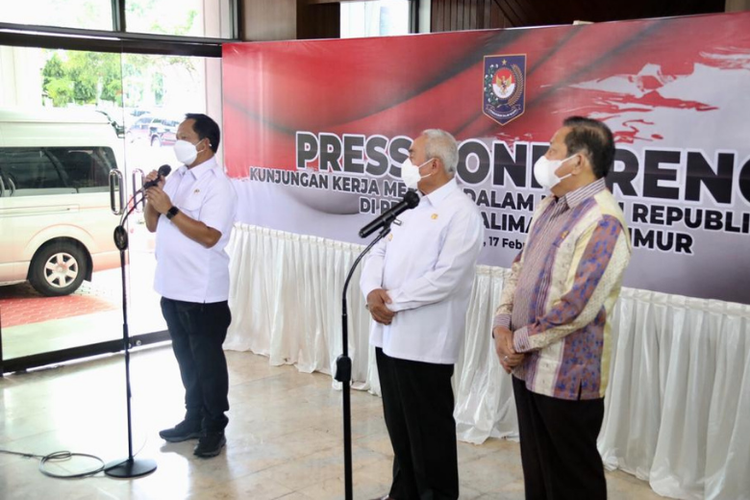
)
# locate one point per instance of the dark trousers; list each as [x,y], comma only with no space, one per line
[198,332]
[558,446]
[418,406]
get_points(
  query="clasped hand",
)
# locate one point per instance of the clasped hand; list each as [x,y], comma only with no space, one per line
[376,304]
[505,350]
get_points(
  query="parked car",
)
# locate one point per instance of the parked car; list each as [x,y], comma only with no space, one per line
[131,115]
[57,224]
[119,129]
[153,130]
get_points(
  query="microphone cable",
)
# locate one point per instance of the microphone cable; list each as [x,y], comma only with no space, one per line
[63,456]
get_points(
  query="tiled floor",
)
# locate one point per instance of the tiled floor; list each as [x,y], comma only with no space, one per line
[284,437]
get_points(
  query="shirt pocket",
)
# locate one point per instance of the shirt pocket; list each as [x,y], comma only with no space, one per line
[193,202]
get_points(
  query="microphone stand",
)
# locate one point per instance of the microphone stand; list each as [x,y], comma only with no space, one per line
[129,467]
[344,368]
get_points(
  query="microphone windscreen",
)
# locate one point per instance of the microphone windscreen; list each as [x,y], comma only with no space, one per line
[411,198]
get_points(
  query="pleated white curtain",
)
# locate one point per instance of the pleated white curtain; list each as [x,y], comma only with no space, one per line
[677,411]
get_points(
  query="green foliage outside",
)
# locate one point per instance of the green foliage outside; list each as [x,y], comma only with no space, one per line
[89,78]
[83,78]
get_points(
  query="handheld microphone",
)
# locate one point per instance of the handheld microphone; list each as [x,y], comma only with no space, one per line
[164,171]
[410,200]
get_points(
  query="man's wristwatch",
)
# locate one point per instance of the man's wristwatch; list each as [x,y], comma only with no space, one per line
[172,212]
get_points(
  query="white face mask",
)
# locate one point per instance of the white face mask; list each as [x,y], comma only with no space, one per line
[186,152]
[410,174]
[544,171]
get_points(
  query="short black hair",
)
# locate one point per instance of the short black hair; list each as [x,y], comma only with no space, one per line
[594,138]
[205,127]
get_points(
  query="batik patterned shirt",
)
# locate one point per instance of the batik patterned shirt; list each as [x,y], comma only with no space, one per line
[562,288]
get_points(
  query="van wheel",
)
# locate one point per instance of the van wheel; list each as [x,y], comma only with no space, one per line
[155,142]
[58,269]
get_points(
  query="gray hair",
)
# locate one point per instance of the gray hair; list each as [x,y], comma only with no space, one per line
[440,144]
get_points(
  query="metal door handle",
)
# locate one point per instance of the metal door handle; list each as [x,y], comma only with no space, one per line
[136,188]
[115,181]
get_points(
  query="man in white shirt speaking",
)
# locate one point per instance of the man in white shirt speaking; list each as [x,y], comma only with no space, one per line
[192,213]
[417,282]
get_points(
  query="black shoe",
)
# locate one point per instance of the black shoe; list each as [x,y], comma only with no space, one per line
[210,444]
[182,432]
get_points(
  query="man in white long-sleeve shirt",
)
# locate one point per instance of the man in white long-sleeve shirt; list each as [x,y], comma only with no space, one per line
[417,282]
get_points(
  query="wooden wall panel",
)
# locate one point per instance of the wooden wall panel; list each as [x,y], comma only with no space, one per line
[488,7]
[289,19]
[453,15]
[269,19]
[436,15]
[318,19]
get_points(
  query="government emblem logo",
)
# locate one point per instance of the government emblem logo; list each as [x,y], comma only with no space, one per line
[504,95]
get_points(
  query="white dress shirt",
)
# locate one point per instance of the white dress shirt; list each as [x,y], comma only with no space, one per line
[427,266]
[185,269]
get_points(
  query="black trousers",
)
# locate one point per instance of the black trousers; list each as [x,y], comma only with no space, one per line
[418,407]
[558,446]
[198,332]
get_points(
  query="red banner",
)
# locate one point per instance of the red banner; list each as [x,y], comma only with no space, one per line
[317,131]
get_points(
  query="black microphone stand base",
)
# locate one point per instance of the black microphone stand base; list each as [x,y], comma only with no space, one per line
[130,467]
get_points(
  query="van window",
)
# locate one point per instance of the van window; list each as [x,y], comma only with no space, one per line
[45,171]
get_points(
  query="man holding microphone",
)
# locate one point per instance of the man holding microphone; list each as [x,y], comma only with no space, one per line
[192,213]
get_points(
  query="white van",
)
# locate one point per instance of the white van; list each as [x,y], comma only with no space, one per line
[56,223]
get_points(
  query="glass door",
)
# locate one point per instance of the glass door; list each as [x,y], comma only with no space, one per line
[71,123]
[157,92]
